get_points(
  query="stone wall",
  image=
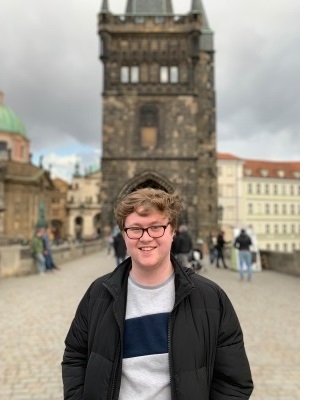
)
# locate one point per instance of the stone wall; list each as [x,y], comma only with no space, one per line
[288,263]
[16,260]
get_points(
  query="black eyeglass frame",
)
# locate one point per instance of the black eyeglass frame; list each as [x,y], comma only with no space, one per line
[145,229]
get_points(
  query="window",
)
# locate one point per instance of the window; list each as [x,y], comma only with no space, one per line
[134,74]
[267,209]
[258,188]
[169,74]
[275,189]
[276,247]
[129,74]
[163,74]
[276,228]
[250,208]
[284,228]
[124,74]
[292,209]
[149,121]
[275,208]
[266,188]
[292,190]
[139,20]
[159,20]
[285,247]
[267,229]
[283,208]
[250,189]
[174,74]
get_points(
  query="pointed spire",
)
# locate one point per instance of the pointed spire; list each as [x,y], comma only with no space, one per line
[149,7]
[105,7]
[197,7]
[206,40]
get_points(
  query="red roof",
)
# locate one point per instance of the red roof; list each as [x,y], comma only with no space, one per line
[259,168]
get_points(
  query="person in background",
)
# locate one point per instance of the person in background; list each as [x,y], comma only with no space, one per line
[49,263]
[243,243]
[120,248]
[153,329]
[37,248]
[183,245]
[211,243]
[220,247]
[110,243]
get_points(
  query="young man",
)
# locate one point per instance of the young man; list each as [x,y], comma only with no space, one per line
[153,329]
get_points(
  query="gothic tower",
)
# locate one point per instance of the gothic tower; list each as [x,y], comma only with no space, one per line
[159,107]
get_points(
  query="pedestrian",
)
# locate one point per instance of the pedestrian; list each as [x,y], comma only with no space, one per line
[183,246]
[243,243]
[47,251]
[120,248]
[110,243]
[37,248]
[211,243]
[153,329]
[220,247]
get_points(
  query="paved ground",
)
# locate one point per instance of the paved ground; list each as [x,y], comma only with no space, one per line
[36,312]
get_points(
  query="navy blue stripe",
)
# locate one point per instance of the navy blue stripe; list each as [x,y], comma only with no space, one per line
[146,335]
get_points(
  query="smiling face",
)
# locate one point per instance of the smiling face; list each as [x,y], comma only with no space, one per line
[150,256]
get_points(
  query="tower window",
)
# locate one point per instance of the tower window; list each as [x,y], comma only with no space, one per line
[129,74]
[174,74]
[148,126]
[169,74]
[125,74]
[163,74]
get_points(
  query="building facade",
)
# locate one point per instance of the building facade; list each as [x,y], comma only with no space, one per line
[58,212]
[25,189]
[263,196]
[84,206]
[159,108]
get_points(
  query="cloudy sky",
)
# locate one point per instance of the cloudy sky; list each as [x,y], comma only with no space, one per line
[51,76]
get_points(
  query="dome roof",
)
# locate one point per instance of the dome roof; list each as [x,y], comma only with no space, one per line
[10,122]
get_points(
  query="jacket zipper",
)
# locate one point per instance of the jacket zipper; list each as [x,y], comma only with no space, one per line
[170,362]
[114,376]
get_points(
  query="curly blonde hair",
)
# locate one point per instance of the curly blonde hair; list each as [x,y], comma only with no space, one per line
[144,201]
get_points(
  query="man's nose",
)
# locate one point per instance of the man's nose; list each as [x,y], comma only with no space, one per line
[146,234]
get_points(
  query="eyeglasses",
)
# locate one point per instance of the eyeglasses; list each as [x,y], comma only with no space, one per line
[155,231]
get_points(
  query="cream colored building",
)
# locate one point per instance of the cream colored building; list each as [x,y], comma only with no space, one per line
[230,192]
[84,206]
[263,196]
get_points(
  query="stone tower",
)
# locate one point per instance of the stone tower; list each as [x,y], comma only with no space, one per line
[159,126]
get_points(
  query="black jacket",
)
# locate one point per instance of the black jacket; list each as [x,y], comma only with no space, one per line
[120,246]
[182,243]
[243,242]
[206,350]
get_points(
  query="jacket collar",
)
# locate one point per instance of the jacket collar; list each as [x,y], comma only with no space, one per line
[117,281]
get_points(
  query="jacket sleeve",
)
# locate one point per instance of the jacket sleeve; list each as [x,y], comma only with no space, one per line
[232,379]
[75,355]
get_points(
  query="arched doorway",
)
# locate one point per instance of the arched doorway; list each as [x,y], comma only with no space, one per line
[147,179]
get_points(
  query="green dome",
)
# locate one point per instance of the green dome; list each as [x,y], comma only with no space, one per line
[9,120]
